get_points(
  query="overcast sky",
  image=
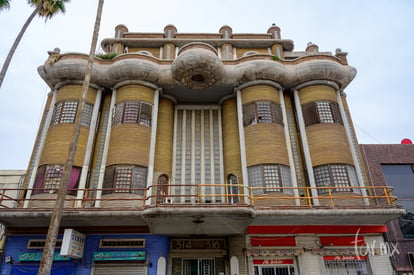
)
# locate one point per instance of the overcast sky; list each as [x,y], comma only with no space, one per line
[378,35]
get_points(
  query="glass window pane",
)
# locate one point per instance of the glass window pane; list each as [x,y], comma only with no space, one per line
[249,116]
[131,111]
[64,112]
[117,118]
[324,111]
[87,115]
[401,177]
[146,114]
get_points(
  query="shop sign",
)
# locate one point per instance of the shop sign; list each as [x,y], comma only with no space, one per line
[184,244]
[37,257]
[118,255]
[344,258]
[273,262]
[72,244]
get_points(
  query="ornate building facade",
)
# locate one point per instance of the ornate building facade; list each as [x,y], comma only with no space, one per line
[203,153]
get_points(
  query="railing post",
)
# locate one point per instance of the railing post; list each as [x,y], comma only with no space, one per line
[308,196]
[331,199]
[387,195]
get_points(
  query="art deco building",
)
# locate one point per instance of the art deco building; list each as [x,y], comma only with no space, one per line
[203,153]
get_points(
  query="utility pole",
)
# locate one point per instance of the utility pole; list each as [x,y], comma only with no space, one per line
[49,249]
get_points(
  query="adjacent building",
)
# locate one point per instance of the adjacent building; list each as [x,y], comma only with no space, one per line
[203,153]
[10,185]
[393,165]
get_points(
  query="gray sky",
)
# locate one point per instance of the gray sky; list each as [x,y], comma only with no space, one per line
[378,35]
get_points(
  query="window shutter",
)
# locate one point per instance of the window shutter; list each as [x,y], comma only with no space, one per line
[39,179]
[276,111]
[310,114]
[145,115]
[108,179]
[249,114]
[336,113]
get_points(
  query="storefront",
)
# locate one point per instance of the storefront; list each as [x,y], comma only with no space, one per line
[198,256]
[103,254]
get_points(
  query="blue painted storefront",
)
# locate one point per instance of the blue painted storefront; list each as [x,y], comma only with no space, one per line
[156,246]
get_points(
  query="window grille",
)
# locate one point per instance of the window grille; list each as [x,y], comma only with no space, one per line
[346,267]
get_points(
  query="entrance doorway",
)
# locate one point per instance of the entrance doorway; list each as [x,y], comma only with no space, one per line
[198,267]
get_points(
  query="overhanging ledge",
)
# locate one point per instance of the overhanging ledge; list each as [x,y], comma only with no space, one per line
[160,216]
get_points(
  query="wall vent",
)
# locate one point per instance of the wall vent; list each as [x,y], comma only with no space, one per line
[122,243]
[38,244]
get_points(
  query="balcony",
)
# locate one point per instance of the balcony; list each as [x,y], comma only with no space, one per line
[201,208]
[198,195]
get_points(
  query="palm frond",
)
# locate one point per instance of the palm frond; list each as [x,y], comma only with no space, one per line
[4,4]
[49,8]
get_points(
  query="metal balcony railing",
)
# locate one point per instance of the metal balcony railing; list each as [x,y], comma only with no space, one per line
[204,195]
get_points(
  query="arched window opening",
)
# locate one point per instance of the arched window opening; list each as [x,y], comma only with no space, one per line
[162,189]
[233,189]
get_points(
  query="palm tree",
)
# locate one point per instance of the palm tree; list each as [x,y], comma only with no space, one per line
[47,257]
[4,4]
[44,8]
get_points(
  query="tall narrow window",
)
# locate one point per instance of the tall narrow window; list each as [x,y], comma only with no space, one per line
[233,189]
[162,188]
[87,115]
[198,164]
[133,112]
[64,112]
[321,112]
[262,112]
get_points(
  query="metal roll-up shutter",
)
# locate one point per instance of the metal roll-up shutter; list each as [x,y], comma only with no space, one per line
[116,269]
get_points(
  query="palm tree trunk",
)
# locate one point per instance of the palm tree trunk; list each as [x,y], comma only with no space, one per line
[15,44]
[47,257]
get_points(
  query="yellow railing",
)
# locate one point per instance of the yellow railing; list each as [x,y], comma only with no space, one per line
[206,194]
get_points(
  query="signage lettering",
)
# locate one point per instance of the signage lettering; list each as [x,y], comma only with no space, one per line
[118,255]
[182,244]
[273,262]
[344,258]
[37,256]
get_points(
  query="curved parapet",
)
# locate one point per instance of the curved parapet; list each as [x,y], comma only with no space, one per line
[198,67]
[71,67]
